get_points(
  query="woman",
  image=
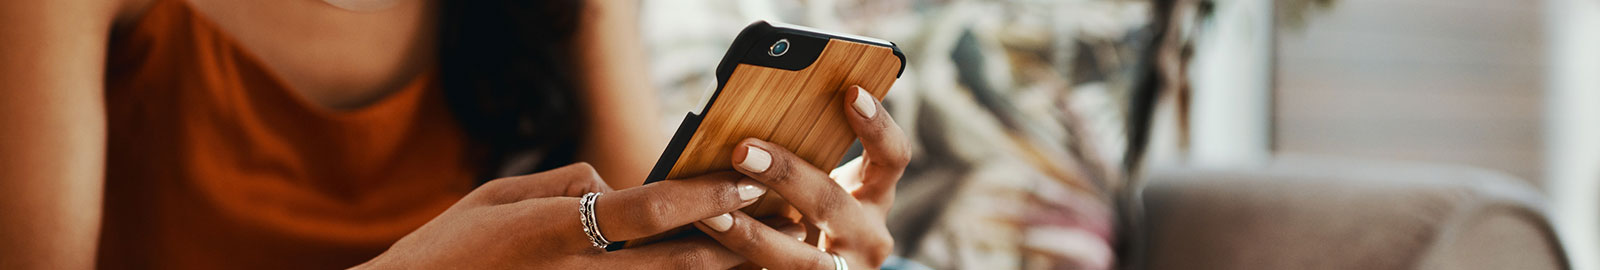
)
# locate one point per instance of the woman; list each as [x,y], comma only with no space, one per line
[318,134]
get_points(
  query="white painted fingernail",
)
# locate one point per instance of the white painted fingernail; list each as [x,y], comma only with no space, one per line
[756,160]
[864,104]
[749,189]
[719,223]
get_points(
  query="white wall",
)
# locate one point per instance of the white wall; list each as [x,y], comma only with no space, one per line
[1231,72]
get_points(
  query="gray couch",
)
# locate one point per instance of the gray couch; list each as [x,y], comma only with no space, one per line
[1321,213]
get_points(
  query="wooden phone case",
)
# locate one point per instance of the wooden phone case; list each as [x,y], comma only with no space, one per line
[796,100]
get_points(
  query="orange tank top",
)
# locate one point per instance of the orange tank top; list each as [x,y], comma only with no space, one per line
[213,163]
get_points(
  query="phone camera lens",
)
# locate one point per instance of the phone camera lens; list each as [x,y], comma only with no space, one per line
[779,48]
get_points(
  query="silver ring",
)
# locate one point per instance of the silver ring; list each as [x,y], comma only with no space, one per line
[590,227]
[838,262]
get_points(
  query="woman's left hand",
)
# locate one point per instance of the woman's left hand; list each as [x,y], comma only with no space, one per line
[852,220]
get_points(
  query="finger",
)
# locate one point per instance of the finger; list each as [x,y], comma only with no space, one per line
[886,148]
[654,208]
[697,252]
[849,176]
[568,181]
[821,201]
[785,225]
[763,245]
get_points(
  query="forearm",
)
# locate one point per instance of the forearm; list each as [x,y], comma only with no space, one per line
[623,138]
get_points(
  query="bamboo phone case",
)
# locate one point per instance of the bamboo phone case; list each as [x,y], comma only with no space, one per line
[786,85]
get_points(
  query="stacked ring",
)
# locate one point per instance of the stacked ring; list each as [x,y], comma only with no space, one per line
[591,228]
[838,262]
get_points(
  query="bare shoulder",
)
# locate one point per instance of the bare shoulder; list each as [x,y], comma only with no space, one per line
[53,42]
[81,11]
[24,18]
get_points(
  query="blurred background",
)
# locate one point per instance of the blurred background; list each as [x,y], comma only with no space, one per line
[1333,134]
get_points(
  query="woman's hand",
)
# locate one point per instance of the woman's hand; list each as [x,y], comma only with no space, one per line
[848,207]
[532,221]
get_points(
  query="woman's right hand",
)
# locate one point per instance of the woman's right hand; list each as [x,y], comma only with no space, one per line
[532,221]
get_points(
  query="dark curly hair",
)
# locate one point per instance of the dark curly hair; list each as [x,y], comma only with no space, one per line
[505,67]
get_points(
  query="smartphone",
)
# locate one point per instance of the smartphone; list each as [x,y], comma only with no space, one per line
[787,85]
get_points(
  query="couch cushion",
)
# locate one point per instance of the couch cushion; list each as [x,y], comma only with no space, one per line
[1497,238]
[1321,213]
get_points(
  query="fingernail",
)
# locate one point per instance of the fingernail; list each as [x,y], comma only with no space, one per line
[719,223]
[864,103]
[756,160]
[749,189]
